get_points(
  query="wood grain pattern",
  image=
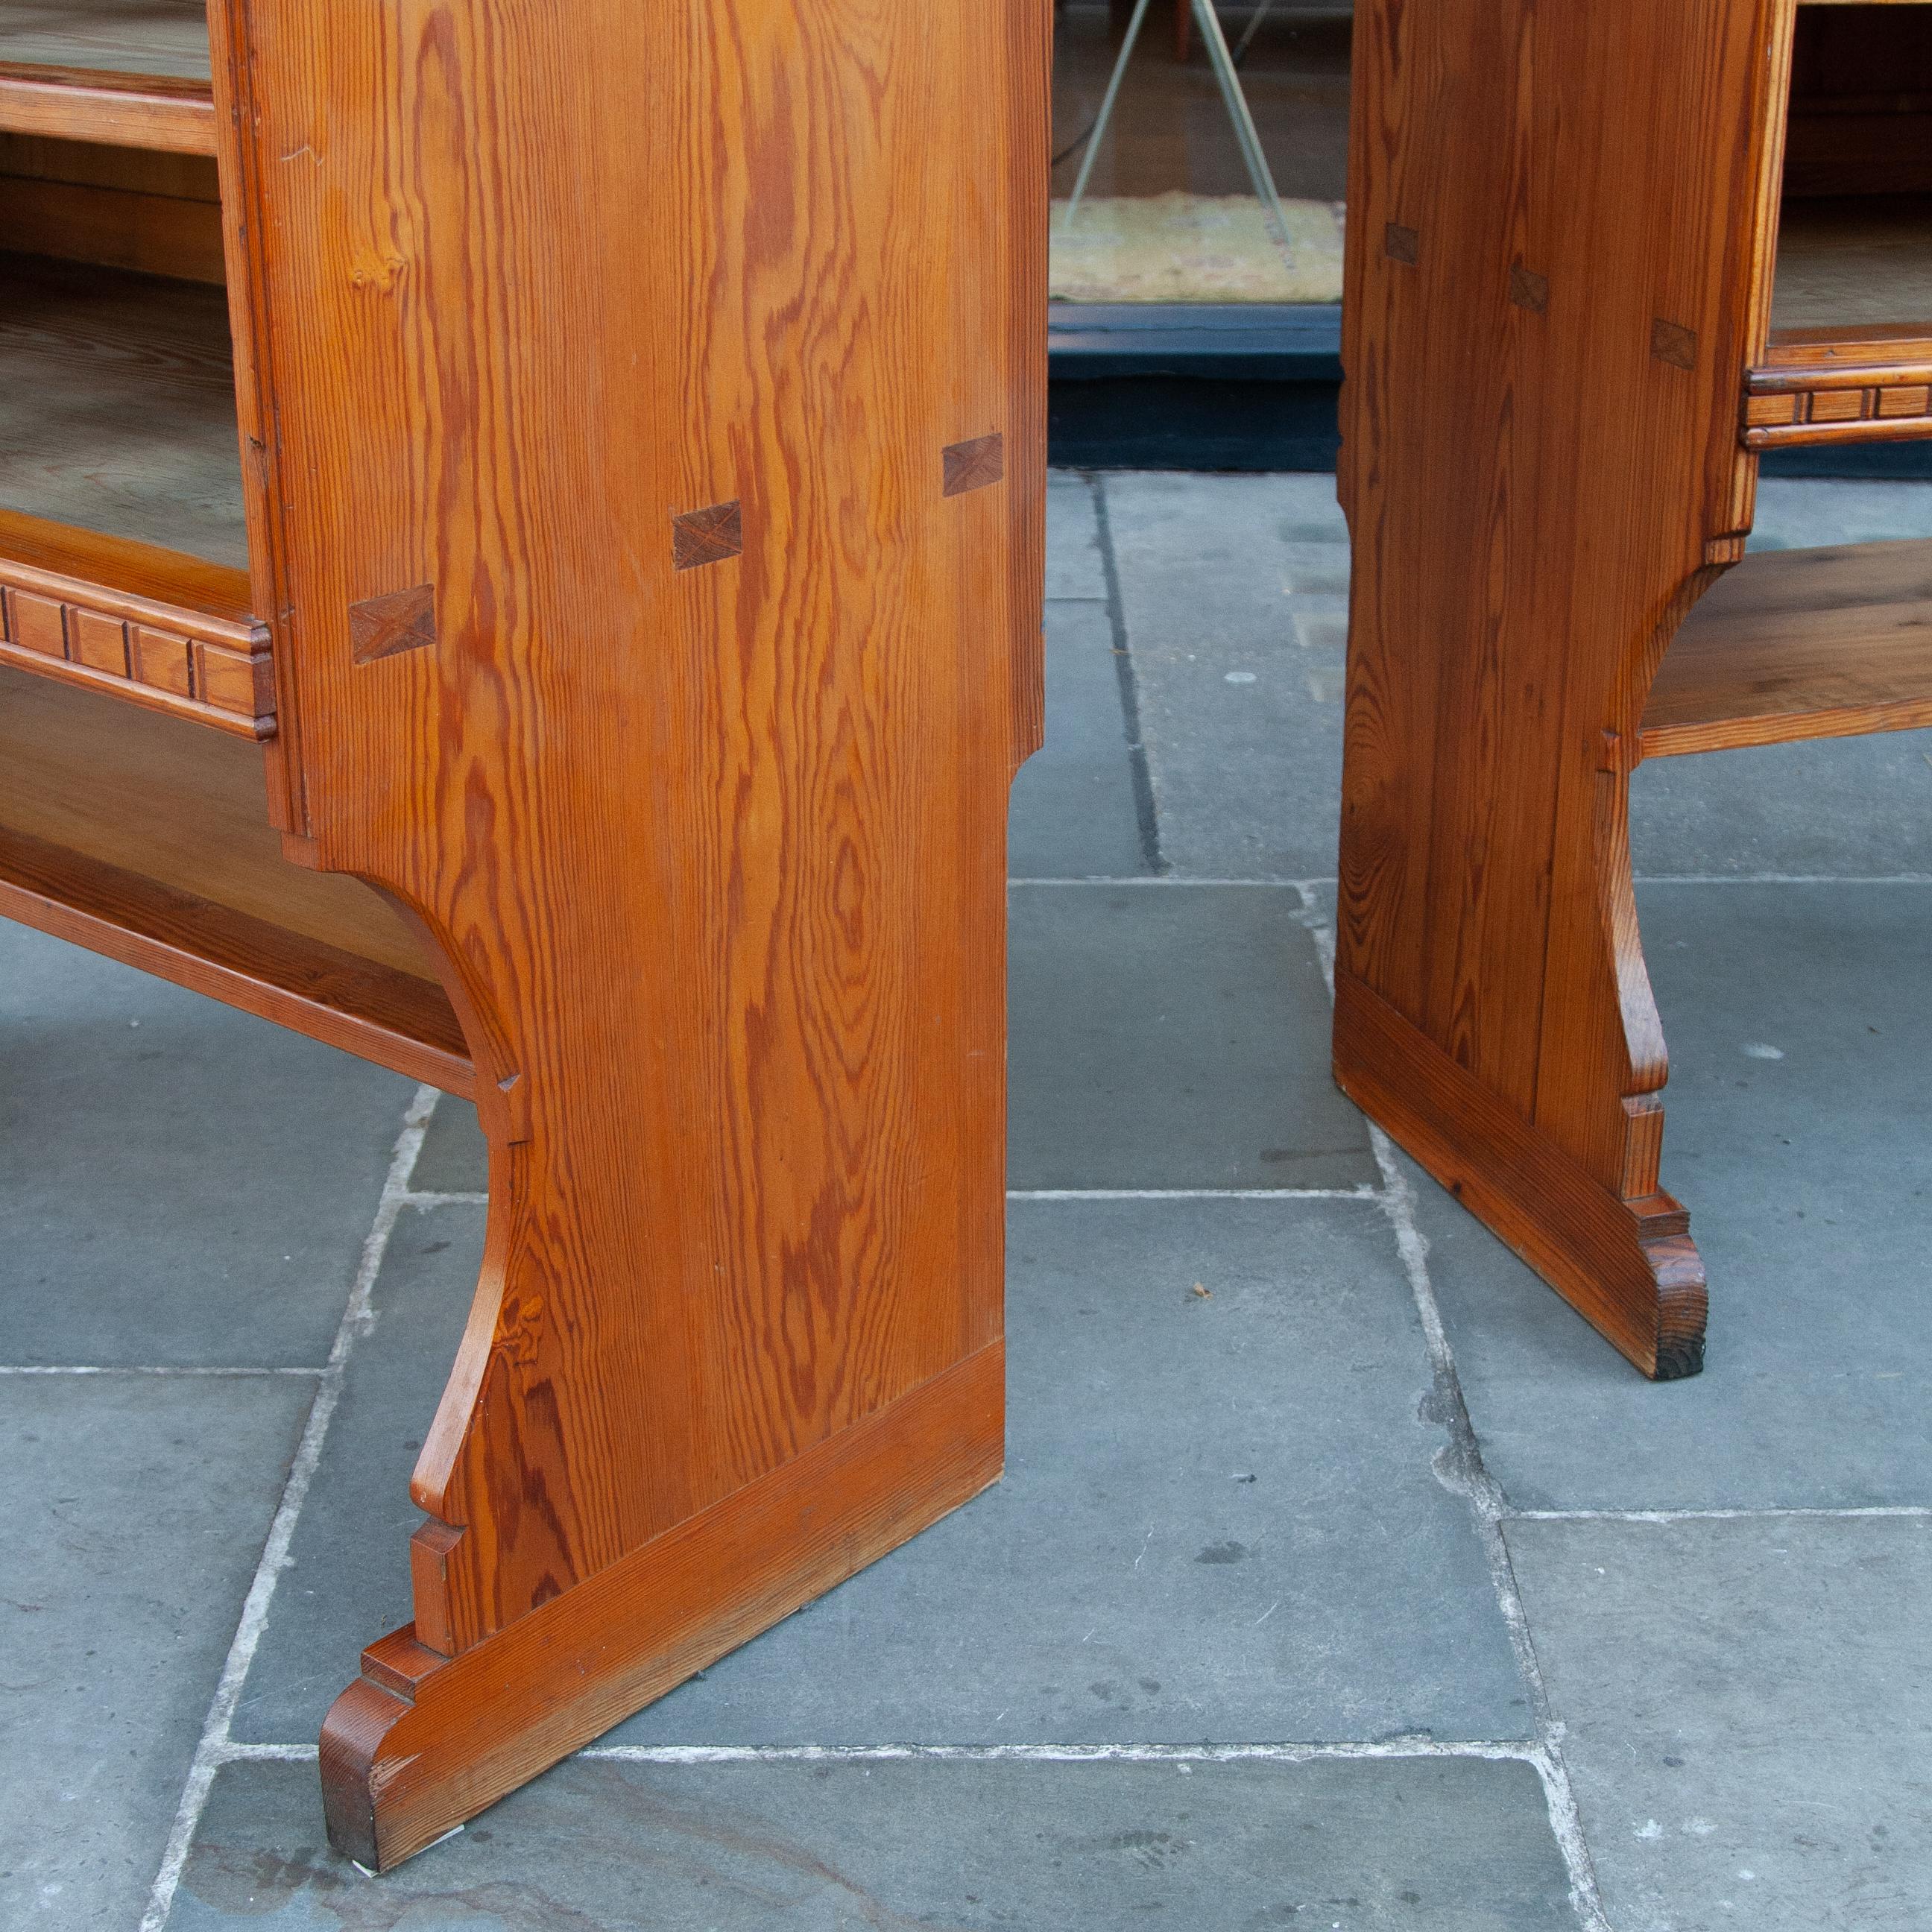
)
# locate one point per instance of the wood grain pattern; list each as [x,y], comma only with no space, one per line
[404,620]
[120,110]
[1803,644]
[1535,499]
[711,859]
[149,625]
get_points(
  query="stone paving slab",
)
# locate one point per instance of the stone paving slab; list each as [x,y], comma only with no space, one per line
[1419,1845]
[1808,1179]
[1218,1520]
[131,1519]
[1843,808]
[184,1183]
[1747,1715]
[1172,1036]
[1073,813]
[1234,594]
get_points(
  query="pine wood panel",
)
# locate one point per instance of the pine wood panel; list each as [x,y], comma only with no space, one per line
[1553,283]
[117,407]
[1802,643]
[543,302]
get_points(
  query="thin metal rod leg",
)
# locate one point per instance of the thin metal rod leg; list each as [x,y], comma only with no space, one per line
[1236,101]
[1106,114]
[1247,39]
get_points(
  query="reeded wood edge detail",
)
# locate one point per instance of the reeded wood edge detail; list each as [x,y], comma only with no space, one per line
[699,537]
[419,1742]
[1629,1267]
[384,627]
[1787,403]
[972,465]
[164,659]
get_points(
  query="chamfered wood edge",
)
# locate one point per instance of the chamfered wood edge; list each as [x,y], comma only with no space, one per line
[419,1743]
[1630,1268]
[131,110]
[332,995]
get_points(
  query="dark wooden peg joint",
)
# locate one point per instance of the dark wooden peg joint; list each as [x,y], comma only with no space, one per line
[1529,290]
[380,627]
[972,466]
[708,535]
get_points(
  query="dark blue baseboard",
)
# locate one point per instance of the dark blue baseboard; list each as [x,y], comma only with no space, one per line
[1252,386]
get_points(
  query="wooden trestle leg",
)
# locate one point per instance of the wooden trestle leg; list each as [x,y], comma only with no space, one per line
[650,405]
[1550,304]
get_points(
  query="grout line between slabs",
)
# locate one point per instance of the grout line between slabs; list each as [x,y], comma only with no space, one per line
[357,1319]
[1906,1511]
[1459,1468]
[147,1369]
[1304,886]
[1516,1751]
[1365,1191]
[1145,815]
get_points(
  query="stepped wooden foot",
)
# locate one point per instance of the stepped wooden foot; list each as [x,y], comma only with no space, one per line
[1628,1265]
[421,1741]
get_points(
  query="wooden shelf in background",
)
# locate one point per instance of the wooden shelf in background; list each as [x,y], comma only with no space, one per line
[1800,643]
[151,626]
[121,110]
[126,833]
[1853,261]
[404,1024]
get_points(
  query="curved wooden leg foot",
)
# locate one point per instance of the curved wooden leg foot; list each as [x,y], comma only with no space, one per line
[421,1741]
[1627,1264]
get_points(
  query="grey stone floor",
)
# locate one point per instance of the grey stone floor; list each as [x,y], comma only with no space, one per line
[1368,1589]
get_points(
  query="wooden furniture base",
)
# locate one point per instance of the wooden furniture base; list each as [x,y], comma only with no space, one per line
[1629,1265]
[1584,291]
[421,1741]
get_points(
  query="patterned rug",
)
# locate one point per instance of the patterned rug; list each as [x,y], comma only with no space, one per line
[1181,248]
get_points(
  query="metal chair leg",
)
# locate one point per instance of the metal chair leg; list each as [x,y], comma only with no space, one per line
[1106,116]
[1232,98]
